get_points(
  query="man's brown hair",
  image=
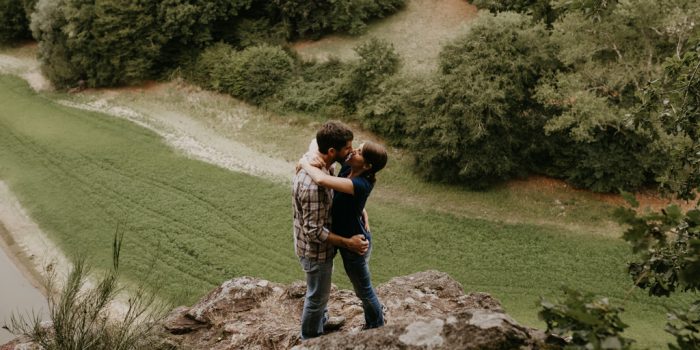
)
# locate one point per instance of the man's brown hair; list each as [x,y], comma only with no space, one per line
[333,134]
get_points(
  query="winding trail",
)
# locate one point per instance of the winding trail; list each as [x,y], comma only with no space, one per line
[31,250]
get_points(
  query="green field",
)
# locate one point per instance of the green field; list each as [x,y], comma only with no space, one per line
[193,225]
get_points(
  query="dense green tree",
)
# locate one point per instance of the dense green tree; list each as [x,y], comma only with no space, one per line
[259,71]
[191,25]
[480,123]
[540,10]
[14,20]
[378,61]
[671,108]
[609,61]
[82,42]
[667,243]
[252,74]
[116,42]
[312,18]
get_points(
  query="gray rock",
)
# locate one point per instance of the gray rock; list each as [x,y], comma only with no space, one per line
[425,310]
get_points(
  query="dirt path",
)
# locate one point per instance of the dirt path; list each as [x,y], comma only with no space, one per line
[179,130]
[30,249]
[27,68]
[192,137]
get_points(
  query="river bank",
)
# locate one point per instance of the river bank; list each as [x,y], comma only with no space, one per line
[22,294]
[25,252]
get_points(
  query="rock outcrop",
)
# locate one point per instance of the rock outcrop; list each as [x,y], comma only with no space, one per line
[425,310]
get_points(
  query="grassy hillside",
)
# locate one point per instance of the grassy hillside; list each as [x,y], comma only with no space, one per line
[194,225]
[417,33]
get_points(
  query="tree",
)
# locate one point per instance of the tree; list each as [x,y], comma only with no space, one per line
[112,42]
[14,21]
[480,123]
[668,242]
[378,61]
[611,51]
[540,10]
[313,18]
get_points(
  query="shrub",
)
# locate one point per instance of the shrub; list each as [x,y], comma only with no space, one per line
[188,26]
[255,31]
[112,42]
[213,67]
[258,72]
[685,326]
[392,106]
[607,137]
[592,323]
[378,61]
[540,10]
[316,88]
[314,18]
[252,74]
[81,317]
[667,244]
[78,43]
[47,26]
[480,123]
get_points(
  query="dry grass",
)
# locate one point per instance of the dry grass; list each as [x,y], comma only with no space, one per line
[417,33]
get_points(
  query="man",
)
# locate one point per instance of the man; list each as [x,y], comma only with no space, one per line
[314,243]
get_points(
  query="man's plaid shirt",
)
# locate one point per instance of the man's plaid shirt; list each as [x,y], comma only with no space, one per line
[312,205]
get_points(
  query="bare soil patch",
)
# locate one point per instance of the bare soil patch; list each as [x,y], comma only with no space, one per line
[648,199]
[417,32]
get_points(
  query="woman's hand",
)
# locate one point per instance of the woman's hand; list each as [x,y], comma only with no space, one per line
[316,161]
[365,218]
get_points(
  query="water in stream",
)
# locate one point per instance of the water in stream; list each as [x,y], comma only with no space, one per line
[17,295]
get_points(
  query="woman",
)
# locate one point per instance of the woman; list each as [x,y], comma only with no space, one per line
[352,187]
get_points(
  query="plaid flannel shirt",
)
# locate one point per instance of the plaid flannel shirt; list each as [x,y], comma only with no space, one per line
[312,205]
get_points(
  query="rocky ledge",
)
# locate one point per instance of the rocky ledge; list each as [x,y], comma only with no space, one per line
[425,310]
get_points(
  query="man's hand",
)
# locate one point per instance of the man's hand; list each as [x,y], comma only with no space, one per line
[358,244]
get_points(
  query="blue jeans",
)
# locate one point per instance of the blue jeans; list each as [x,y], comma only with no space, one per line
[357,269]
[318,289]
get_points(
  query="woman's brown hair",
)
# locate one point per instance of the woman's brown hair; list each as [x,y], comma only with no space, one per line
[374,155]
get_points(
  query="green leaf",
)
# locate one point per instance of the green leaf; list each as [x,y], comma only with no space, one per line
[694,216]
[629,198]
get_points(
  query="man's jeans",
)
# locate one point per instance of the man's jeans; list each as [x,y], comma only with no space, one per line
[318,289]
[357,269]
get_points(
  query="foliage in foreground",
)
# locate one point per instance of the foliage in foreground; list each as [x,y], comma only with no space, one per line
[667,244]
[591,322]
[83,313]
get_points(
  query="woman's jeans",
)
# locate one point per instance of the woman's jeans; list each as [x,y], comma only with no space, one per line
[318,289]
[357,269]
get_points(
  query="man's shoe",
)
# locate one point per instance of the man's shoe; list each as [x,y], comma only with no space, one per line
[333,323]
